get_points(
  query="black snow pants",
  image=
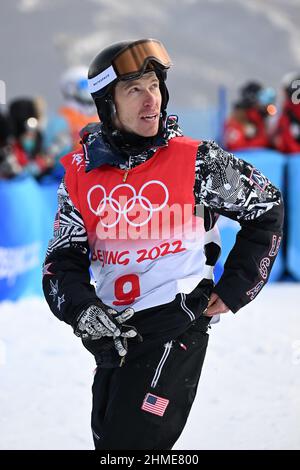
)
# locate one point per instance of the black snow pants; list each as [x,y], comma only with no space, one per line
[145,403]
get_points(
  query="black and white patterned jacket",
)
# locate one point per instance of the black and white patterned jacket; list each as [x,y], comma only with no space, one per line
[224,185]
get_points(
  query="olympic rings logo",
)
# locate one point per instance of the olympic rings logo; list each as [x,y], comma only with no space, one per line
[115,205]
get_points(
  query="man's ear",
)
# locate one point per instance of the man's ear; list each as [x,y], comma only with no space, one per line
[110,108]
[114,114]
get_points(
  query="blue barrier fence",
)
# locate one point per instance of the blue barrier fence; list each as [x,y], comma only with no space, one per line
[293,203]
[28,211]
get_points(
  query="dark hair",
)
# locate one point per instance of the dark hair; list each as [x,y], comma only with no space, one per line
[20,110]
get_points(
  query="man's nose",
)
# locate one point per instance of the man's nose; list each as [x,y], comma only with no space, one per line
[149,98]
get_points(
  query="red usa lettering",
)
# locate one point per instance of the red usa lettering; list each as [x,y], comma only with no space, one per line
[161,250]
[111,257]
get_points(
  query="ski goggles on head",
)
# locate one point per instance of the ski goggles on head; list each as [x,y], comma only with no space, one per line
[131,63]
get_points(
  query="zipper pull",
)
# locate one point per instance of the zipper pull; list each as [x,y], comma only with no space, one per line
[125,176]
[122,361]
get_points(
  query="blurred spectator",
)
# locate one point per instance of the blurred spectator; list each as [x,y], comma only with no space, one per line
[9,166]
[78,110]
[247,126]
[26,117]
[287,132]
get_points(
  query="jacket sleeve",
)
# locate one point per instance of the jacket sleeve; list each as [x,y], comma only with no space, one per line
[233,188]
[66,279]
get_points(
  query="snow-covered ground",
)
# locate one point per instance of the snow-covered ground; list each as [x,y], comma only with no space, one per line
[248,397]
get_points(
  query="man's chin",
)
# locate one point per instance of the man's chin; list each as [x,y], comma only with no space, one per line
[149,133]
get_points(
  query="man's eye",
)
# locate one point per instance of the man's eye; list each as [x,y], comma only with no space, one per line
[133,90]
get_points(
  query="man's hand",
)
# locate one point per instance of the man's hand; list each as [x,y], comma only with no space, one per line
[98,321]
[215,306]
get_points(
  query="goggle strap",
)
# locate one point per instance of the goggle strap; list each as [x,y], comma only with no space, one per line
[102,79]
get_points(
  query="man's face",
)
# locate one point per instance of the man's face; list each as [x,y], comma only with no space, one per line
[138,105]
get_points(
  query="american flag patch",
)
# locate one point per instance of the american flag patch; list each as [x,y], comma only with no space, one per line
[56,221]
[154,404]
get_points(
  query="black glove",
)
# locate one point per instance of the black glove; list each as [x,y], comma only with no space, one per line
[99,321]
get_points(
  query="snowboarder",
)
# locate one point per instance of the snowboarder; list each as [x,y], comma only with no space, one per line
[139,206]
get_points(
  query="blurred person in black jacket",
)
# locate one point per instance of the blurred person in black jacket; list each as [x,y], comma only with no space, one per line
[247,126]
[26,115]
[9,166]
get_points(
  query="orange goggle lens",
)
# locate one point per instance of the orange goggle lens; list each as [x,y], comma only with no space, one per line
[134,59]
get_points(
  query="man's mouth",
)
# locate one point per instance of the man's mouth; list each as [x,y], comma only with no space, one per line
[150,117]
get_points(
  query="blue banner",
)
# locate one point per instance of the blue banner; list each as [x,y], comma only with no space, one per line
[20,238]
[293,204]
